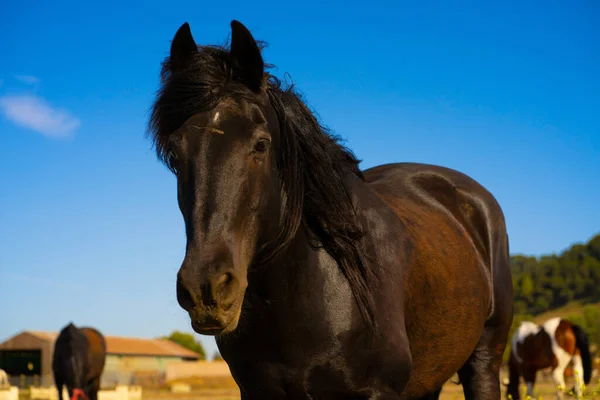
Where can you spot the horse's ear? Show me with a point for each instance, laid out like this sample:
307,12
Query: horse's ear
245,55
183,47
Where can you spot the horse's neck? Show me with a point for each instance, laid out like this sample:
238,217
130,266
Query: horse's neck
303,275
300,279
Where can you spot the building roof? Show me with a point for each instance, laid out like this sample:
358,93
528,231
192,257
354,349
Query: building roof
132,346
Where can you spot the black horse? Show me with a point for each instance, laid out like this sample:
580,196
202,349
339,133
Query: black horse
318,279
78,361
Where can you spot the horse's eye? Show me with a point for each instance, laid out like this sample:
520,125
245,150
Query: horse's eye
172,161
261,146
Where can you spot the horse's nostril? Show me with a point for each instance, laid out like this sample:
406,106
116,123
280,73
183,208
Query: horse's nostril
184,297
224,279
225,290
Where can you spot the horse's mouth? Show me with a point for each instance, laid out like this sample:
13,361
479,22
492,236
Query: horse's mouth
202,329
215,325
207,330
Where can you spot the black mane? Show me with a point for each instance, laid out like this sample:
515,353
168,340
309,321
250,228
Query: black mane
312,163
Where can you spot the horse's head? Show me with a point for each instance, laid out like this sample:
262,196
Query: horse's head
253,164
215,128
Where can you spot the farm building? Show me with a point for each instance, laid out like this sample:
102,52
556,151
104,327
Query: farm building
27,358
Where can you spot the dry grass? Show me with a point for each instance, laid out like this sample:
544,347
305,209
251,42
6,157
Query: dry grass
205,394
221,389
202,388
207,382
543,389
572,308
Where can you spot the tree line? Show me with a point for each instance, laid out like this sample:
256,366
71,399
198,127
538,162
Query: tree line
552,281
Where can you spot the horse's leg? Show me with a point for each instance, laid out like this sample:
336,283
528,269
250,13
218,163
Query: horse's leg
59,386
578,374
480,375
432,396
89,389
96,389
514,376
529,377
558,376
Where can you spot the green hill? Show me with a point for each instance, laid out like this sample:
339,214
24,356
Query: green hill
573,310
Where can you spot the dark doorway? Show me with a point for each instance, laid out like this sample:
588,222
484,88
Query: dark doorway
21,362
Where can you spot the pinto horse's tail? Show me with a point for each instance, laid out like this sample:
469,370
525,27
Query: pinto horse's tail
583,344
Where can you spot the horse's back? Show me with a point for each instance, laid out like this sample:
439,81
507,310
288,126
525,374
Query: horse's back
458,266
70,341
429,197
439,201
97,350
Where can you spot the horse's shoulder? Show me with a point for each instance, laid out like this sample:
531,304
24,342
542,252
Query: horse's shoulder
552,325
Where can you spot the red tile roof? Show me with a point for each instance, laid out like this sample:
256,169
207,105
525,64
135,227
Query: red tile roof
134,346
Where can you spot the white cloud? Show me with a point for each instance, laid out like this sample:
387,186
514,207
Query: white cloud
30,80
35,113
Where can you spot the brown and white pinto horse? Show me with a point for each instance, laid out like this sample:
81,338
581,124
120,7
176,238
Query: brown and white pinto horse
552,345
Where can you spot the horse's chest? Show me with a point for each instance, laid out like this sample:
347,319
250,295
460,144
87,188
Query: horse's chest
299,338
299,363
316,377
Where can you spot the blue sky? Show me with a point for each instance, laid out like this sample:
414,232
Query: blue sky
90,230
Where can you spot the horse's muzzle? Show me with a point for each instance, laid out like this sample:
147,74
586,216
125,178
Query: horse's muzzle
214,322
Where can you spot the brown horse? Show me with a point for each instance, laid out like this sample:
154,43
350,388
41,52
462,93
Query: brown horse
78,362
552,345
318,279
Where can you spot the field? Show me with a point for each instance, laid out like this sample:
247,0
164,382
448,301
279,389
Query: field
208,394
450,392
225,389
544,389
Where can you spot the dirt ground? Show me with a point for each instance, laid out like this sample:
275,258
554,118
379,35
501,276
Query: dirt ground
543,389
